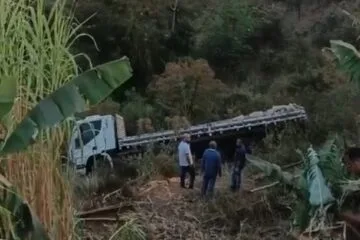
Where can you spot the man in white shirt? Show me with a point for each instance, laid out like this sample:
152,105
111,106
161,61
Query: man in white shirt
186,162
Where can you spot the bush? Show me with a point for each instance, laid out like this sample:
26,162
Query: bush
155,164
136,107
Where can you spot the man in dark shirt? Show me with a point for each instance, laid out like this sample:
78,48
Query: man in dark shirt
239,163
211,168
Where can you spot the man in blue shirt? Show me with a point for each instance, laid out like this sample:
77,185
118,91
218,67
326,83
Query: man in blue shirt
211,168
239,163
185,161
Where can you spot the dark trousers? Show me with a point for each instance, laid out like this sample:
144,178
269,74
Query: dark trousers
183,171
208,185
236,179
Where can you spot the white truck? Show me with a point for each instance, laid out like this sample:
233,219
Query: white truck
98,136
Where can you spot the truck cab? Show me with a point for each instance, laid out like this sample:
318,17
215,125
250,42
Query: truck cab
91,137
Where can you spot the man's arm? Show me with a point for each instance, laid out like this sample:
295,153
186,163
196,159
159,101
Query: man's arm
188,155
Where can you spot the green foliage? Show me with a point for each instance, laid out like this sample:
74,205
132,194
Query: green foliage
141,29
319,192
348,58
188,88
272,170
225,31
330,156
157,161
23,223
319,183
93,85
136,107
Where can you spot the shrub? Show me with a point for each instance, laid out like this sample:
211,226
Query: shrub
135,108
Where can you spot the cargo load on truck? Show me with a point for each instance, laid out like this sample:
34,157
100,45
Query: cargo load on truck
105,135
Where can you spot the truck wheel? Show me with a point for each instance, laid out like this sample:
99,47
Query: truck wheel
101,164
89,166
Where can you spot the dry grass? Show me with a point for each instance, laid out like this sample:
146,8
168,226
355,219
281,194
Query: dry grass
39,59
37,176
163,210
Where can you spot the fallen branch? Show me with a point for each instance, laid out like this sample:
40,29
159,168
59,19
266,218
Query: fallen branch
264,187
214,219
268,186
290,165
102,210
119,190
331,228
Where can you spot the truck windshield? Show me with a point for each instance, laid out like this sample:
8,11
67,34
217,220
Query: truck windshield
88,131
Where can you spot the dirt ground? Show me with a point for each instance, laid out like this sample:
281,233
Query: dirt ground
166,211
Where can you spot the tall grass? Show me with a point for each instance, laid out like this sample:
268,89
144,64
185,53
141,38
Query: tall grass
35,52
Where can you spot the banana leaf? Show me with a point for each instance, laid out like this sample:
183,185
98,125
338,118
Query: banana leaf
271,170
24,224
331,164
93,85
348,58
319,192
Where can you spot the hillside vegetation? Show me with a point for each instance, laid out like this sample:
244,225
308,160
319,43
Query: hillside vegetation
254,53
192,62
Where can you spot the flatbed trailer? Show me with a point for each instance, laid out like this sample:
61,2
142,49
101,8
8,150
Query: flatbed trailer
106,135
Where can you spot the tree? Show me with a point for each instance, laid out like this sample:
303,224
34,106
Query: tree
188,88
140,29
224,32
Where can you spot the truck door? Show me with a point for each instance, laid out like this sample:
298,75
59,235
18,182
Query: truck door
92,136
91,141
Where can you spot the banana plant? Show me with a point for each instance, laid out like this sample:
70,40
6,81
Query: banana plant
348,59
92,87
311,185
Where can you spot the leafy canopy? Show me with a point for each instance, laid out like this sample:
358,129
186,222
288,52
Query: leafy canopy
187,87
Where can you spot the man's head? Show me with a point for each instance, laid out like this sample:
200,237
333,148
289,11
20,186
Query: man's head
186,137
213,145
239,142
353,160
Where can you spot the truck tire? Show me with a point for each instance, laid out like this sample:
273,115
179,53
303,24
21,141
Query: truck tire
101,163
89,166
